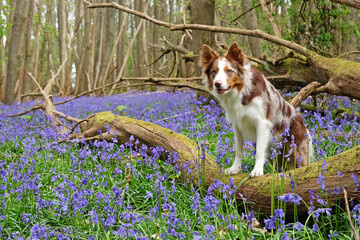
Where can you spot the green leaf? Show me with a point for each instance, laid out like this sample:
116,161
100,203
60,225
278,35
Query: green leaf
120,108
26,117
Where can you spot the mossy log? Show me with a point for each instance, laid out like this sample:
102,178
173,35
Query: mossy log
257,190
337,76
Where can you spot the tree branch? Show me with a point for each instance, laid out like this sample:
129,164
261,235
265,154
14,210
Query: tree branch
176,27
304,92
351,3
250,9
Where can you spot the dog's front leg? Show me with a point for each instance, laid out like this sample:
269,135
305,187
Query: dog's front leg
239,145
262,139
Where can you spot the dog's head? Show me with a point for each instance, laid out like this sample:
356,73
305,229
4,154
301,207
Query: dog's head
222,74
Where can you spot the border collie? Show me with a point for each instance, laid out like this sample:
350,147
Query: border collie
255,109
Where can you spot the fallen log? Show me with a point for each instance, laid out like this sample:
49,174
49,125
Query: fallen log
203,167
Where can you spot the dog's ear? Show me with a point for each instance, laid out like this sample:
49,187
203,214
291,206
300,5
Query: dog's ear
207,55
235,54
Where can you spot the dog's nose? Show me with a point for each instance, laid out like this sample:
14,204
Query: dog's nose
217,84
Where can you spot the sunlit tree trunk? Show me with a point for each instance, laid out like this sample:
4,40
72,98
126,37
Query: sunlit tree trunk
24,79
156,39
36,52
15,43
250,22
170,36
202,12
121,48
64,85
109,41
83,73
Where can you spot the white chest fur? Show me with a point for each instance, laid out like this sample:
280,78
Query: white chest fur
244,118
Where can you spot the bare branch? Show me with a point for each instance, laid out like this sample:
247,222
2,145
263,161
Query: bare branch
176,27
131,11
69,118
351,3
304,92
271,19
250,9
355,232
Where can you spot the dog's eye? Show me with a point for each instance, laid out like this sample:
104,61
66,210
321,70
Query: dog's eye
229,71
213,72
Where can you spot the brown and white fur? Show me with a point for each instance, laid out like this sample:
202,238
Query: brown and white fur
253,106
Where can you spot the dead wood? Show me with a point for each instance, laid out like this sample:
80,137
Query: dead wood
202,166
351,3
304,92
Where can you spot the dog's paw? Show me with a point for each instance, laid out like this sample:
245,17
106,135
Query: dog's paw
256,172
232,170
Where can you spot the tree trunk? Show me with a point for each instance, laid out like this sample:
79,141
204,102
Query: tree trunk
64,85
256,190
202,12
27,64
350,42
109,43
15,44
122,43
156,41
83,72
36,52
250,22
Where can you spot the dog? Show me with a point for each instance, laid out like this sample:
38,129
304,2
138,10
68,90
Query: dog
255,109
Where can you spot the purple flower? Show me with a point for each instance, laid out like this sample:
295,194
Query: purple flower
290,197
209,228
110,220
212,204
356,212
276,220
84,181
333,234
37,232
355,180
315,228
279,213
249,218
195,200
149,194
285,236
298,226
321,181
270,223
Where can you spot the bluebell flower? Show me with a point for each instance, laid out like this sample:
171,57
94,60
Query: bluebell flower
285,236
212,204
315,228
209,231
290,197
149,194
333,234
321,181
355,180
195,199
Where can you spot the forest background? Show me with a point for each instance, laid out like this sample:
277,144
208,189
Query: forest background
92,47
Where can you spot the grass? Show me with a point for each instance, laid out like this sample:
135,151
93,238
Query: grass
101,190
